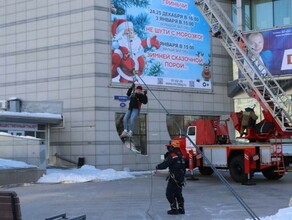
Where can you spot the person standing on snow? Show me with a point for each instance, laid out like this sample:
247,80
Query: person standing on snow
175,161
136,100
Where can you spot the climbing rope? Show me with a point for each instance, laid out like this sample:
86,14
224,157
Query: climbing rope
133,91
218,174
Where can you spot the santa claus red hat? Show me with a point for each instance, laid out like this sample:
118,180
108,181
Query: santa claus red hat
120,25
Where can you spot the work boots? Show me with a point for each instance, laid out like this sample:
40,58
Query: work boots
173,210
181,208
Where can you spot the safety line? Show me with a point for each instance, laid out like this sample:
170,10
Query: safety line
151,188
167,112
220,176
225,182
133,91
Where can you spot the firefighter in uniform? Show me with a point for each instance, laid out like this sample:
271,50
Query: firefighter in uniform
175,161
248,119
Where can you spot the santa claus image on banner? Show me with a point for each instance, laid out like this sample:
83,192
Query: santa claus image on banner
128,51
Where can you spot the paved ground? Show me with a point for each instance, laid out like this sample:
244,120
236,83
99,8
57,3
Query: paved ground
143,198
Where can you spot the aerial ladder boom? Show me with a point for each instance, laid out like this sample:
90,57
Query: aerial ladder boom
257,82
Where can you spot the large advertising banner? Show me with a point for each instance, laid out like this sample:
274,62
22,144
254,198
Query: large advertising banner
274,48
165,42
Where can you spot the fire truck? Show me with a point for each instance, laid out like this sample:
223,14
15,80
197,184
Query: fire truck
263,149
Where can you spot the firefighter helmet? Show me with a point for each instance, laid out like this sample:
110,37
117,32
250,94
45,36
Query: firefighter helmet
252,106
175,143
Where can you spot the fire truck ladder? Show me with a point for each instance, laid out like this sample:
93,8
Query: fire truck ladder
258,82
278,158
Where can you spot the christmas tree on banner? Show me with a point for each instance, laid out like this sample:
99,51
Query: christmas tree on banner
119,6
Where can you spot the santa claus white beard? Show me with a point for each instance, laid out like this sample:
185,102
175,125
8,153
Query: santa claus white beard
133,44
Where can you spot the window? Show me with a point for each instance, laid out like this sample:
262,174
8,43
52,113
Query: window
17,133
192,131
140,134
246,15
247,18
41,127
255,13
282,12
176,122
234,12
41,135
260,9
29,133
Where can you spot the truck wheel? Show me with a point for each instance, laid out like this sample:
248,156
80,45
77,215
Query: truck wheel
236,169
270,173
206,171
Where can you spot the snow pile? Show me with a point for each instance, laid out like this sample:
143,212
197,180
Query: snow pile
8,164
282,214
18,136
32,115
85,174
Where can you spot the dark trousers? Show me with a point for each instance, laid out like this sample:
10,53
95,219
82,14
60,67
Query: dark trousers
174,193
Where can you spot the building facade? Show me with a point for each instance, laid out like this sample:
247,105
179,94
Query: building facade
251,17
59,51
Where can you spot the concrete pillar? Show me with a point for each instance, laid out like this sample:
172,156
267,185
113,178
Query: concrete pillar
240,24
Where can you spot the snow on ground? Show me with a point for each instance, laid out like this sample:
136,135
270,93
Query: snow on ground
282,214
18,136
85,174
8,164
90,173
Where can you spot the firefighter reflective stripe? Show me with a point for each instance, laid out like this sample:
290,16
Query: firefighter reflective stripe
191,165
246,157
247,163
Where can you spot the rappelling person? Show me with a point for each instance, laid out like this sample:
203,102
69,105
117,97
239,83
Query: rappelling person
248,119
137,98
175,161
